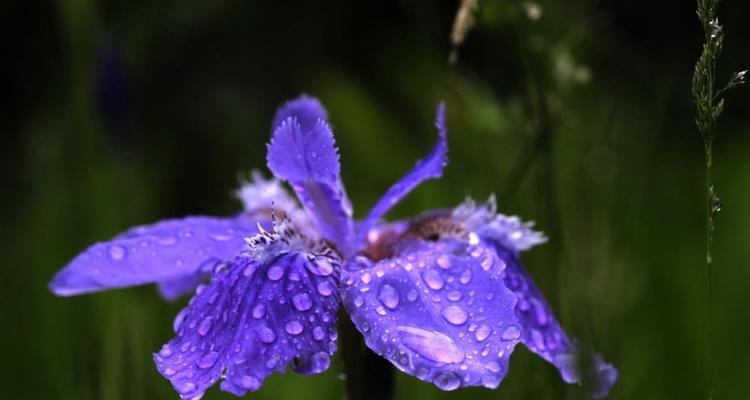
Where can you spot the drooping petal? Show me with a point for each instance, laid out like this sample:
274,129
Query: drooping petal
172,251
309,161
510,231
543,334
308,110
260,313
429,167
439,311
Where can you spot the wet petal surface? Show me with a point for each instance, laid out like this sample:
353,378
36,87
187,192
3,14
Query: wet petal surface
439,311
253,319
175,252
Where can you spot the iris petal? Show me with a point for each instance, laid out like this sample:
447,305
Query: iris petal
172,251
439,311
429,167
305,155
254,318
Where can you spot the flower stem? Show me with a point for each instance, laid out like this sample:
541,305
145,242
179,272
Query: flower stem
367,375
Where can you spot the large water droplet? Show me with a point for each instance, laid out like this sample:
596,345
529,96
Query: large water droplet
512,332
325,288
166,351
433,279
302,301
275,273
319,362
388,295
205,326
117,253
482,333
444,262
185,387
454,296
266,335
249,382
208,360
455,315
493,366
319,333
259,311
446,380
465,277
431,345
293,327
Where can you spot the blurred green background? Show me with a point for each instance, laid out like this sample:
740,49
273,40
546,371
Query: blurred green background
577,115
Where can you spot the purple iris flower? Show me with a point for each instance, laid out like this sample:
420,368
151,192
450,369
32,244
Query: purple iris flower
443,296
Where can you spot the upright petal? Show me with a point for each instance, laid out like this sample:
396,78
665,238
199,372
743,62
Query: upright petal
171,251
439,311
309,161
260,312
308,110
430,167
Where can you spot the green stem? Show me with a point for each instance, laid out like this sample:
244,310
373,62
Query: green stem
710,199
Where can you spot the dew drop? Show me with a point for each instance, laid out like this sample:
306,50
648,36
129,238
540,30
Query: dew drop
380,310
465,277
366,278
454,296
359,301
266,335
318,333
249,382
324,288
205,326
433,279
221,237
293,327
455,315
275,273
431,345
444,262
259,311
493,366
388,295
319,362
208,360
446,380
482,333
117,252
412,295
186,387
302,301
166,351
249,270
512,332
487,262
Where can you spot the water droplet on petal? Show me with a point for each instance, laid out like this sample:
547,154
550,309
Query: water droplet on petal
493,366
293,327
319,362
259,311
302,301
454,296
482,333
266,335
186,387
249,382
208,360
465,277
433,279
166,351
444,262
412,295
431,345
455,315
446,380
249,270
366,278
324,288
388,295
205,326
359,301
512,332
117,252
275,273
318,333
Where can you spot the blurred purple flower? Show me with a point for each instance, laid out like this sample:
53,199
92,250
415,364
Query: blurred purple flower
442,296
